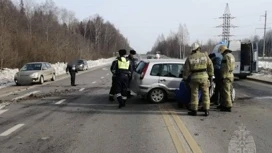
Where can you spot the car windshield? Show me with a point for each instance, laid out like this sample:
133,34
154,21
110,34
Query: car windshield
32,67
80,61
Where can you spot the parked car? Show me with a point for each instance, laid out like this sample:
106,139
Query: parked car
82,65
36,72
157,79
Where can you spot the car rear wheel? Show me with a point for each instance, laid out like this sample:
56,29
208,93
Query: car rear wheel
17,83
157,95
41,80
53,77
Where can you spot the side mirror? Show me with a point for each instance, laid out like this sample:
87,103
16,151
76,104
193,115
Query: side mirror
44,68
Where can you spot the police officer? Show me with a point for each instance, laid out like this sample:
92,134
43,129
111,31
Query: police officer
71,68
227,68
123,72
200,69
113,79
216,60
131,58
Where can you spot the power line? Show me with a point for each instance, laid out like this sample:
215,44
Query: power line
226,24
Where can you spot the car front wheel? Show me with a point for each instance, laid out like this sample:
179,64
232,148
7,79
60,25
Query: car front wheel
157,95
41,80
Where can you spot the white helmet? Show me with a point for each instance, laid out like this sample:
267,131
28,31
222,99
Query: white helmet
157,56
195,46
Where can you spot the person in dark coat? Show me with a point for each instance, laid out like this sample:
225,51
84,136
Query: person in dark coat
216,60
113,80
131,58
122,70
72,69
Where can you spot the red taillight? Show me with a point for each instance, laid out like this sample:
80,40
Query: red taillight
144,71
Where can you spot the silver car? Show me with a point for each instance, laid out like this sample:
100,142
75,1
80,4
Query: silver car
36,72
157,79
82,65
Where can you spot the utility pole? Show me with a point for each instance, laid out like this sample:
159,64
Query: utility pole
265,16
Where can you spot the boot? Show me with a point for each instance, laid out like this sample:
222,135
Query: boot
111,98
192,113
207,113
124,103
225,109
219,107
120,105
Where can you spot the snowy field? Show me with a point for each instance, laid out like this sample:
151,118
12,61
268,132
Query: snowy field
7,75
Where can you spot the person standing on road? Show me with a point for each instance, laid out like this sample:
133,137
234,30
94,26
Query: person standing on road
131,58
113,79
200,69
216,60
227,77
123,73
71,68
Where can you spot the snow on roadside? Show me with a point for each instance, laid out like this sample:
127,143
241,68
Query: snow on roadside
265,64
7,75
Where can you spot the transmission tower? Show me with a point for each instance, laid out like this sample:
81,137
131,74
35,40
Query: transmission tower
226,24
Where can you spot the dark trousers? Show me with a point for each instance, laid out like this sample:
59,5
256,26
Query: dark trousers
113,84
73,77
218,86
121,88
128,89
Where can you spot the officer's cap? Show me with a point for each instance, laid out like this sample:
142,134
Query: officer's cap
122,52
212,55
133,52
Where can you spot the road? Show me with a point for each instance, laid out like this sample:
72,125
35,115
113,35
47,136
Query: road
59,118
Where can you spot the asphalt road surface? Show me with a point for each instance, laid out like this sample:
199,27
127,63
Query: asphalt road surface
59,118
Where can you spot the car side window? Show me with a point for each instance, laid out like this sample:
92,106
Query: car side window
155,70
175,70
164,70
140,67
172,70
48,65
44,67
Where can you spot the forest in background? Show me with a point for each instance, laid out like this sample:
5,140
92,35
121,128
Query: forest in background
44,32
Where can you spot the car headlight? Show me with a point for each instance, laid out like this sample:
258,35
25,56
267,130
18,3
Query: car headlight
34,75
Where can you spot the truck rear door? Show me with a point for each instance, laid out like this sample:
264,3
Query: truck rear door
254,64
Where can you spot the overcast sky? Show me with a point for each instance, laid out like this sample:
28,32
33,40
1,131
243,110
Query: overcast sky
141,21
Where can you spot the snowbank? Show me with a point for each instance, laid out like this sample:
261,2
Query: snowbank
7,75
265,64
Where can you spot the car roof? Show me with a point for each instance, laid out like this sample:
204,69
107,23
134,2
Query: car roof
36,62
155,61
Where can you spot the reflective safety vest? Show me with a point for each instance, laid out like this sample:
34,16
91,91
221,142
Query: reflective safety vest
123,64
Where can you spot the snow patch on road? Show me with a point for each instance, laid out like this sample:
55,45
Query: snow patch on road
7,75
